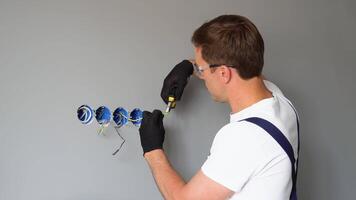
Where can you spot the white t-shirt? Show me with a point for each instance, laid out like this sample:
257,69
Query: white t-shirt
246,159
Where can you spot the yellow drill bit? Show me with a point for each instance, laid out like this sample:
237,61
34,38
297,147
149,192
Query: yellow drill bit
171,104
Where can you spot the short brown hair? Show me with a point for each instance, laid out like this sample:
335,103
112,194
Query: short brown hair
231,40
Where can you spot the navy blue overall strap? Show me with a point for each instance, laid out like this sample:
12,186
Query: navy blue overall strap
283,142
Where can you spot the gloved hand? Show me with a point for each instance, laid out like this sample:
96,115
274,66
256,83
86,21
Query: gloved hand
152,131
176,80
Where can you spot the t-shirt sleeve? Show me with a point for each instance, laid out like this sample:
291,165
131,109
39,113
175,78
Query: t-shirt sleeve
233,156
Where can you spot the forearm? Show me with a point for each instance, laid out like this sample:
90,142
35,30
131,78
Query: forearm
167,179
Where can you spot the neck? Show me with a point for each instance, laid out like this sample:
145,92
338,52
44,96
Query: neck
246,93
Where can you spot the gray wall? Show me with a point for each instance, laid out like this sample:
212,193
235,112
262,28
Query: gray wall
57,55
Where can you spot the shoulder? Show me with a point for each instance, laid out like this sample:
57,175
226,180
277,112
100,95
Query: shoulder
237,136
240,130
240,151
244,138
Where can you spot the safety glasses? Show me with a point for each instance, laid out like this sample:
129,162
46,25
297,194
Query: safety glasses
198,70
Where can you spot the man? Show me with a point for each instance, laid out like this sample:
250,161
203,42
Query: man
248,159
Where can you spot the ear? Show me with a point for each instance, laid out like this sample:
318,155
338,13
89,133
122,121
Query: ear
224,73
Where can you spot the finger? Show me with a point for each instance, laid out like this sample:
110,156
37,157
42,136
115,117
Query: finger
179,90
146,116
164,93
161,120
156,116
173,90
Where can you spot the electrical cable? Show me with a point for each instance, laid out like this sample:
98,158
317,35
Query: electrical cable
123,141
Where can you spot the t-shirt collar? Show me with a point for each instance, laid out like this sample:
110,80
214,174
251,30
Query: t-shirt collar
249,111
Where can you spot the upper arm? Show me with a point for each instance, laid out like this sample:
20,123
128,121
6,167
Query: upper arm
202,187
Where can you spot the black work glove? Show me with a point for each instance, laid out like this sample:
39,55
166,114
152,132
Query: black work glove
176,80
152,131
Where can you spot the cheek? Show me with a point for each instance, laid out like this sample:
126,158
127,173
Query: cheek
211,88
